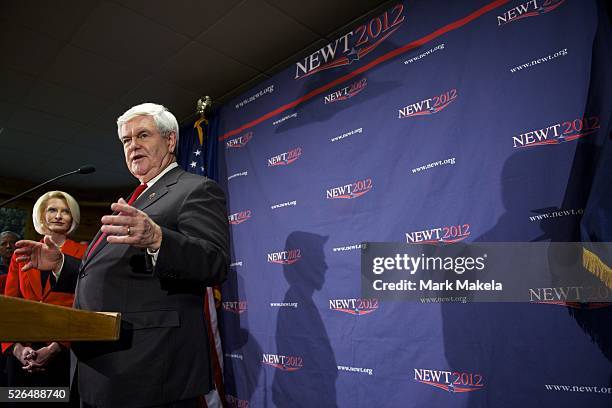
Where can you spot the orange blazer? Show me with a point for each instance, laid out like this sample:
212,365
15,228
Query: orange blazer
27,285
2,283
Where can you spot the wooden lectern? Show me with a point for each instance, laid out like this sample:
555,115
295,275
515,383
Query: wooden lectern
29,321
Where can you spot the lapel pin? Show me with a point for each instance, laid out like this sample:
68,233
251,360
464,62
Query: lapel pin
151,196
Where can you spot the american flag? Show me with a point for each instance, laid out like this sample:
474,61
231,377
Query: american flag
192,152
196,155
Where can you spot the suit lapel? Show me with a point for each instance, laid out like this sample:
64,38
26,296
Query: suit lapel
159,189
147,198
33,278
47,287
151,195
89,256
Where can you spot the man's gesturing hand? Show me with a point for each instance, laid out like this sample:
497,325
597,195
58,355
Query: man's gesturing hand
131,226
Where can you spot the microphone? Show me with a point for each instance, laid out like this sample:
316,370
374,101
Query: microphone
86,169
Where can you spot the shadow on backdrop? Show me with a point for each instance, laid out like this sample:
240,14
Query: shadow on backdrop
499,340
300,331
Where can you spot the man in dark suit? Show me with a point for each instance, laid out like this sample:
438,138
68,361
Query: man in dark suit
151,261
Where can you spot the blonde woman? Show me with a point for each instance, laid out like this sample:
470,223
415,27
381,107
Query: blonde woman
55,214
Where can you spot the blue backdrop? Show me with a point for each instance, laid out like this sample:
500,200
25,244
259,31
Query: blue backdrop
436,121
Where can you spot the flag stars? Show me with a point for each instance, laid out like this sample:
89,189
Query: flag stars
197,152
193,164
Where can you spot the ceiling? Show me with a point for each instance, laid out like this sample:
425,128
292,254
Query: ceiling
69,68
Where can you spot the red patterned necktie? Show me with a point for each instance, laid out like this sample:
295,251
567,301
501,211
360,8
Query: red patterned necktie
133,198
137,193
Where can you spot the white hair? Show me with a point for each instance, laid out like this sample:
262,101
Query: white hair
38,212
164,120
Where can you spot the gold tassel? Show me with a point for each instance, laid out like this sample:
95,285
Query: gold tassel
198,127
597,267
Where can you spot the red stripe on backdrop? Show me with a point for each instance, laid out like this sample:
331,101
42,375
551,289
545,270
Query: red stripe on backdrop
391,54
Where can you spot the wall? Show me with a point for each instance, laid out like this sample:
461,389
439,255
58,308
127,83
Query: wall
436,120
